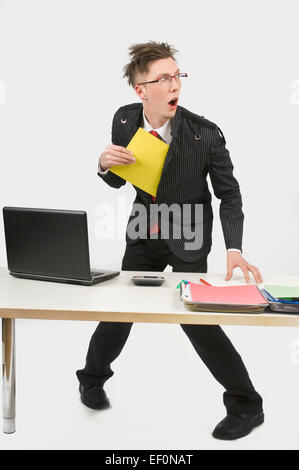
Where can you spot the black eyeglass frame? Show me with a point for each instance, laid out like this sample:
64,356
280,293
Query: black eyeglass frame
179,75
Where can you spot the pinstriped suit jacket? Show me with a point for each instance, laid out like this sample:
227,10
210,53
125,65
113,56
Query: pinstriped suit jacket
197,149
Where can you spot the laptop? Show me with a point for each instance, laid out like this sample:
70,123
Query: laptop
50,245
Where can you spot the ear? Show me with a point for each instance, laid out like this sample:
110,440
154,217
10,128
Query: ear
140,91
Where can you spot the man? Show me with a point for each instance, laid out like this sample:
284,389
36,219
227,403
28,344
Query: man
197,148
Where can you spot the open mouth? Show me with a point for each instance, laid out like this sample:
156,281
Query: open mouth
173,103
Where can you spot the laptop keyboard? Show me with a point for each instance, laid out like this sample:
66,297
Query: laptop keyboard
96,273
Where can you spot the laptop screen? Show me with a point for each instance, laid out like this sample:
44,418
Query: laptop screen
47,242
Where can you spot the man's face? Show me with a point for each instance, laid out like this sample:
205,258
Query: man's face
160,94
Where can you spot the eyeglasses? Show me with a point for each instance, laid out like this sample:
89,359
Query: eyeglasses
166,79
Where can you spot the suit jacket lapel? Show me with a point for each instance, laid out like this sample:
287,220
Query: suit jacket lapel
175,122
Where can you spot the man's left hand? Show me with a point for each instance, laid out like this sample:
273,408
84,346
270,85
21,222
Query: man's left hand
236,260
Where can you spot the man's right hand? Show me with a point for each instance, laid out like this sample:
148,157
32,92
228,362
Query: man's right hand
114,155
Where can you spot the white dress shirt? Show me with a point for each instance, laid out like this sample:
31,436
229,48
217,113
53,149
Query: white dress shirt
165,133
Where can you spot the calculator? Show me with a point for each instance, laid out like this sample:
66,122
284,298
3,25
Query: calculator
148,280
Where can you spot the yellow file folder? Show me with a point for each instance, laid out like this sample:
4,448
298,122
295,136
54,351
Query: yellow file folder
150,153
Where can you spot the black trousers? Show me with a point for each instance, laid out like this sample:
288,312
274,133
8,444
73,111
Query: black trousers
209,341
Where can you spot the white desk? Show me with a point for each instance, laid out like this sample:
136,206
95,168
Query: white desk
116,300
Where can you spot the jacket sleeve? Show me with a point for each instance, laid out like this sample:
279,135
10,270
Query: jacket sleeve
110,178
227,189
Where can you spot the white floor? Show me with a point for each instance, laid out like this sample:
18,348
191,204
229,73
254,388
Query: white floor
162,395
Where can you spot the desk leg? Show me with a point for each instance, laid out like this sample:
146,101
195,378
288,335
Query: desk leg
8,375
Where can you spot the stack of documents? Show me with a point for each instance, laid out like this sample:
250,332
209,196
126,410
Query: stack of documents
230,299
284,299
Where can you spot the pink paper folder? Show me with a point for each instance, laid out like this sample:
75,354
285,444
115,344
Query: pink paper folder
240,295
231,299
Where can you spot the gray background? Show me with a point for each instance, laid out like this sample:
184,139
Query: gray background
60,84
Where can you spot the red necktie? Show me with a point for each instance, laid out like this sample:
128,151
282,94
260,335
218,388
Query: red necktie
154,227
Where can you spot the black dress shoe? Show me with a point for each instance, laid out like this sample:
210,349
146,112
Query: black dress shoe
94,396
234,426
